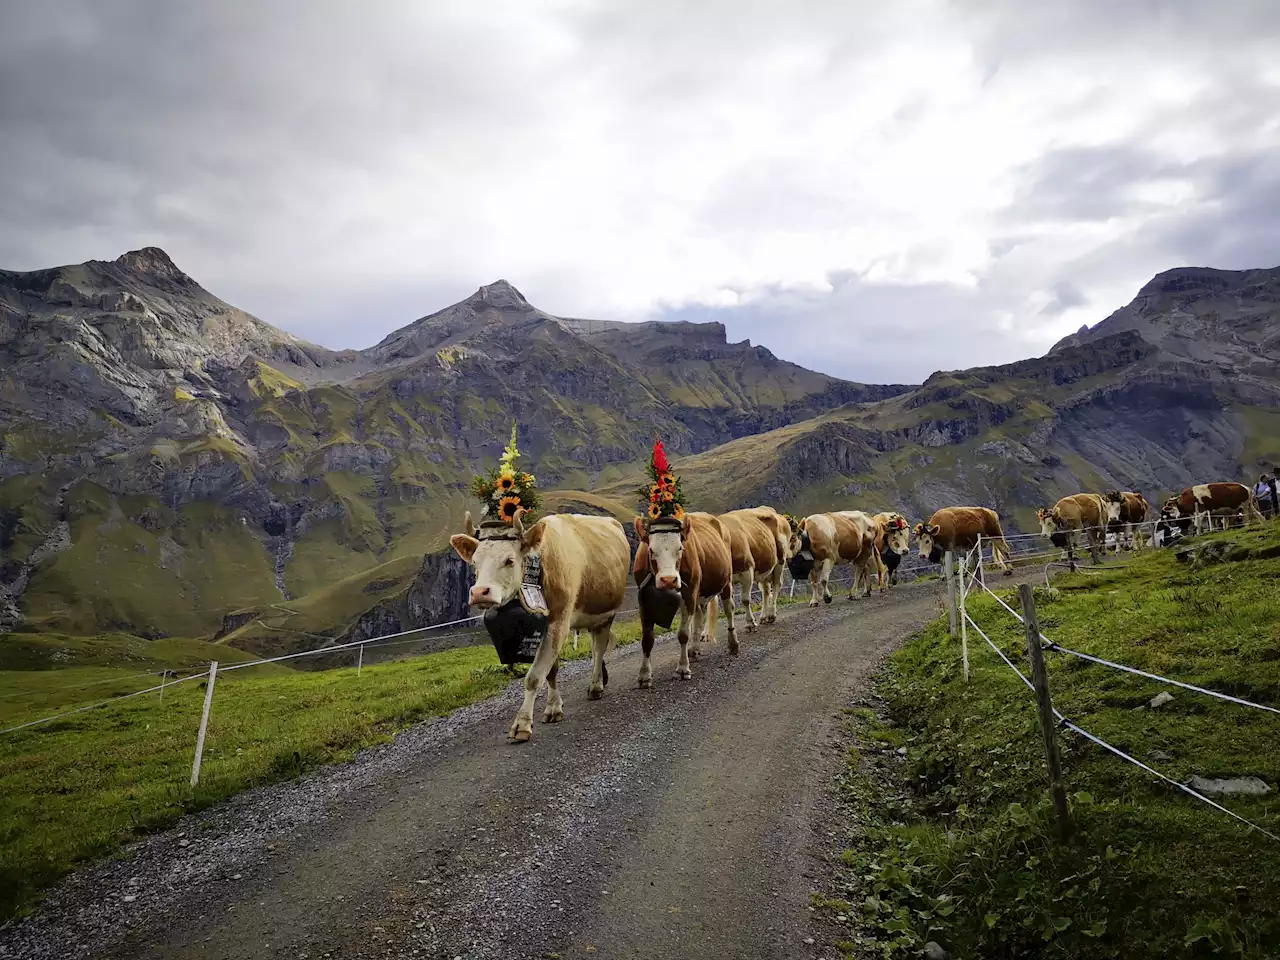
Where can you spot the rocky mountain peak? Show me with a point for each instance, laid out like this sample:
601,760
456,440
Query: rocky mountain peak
502,295
154,264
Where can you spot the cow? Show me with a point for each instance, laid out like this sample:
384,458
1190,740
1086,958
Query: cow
958,529
758,537
1086,512
696,559
1126,512
1207,499
893,541
584,564
847,536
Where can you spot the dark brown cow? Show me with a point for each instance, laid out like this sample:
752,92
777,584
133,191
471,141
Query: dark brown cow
696,560
1126,512
1204,500
957,529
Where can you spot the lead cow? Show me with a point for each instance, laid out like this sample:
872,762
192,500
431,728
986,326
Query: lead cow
584,579
1204,500
758,539
695,559
893,541
957,529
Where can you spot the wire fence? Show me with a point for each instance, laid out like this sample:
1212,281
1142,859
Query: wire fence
969,581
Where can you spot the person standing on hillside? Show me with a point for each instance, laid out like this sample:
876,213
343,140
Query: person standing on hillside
1265,493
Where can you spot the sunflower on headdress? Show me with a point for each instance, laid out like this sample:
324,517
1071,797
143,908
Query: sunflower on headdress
662,494
506,490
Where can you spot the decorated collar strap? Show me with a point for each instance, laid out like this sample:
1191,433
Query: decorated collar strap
496,530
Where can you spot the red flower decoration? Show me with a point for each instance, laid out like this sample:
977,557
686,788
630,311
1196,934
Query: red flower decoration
660,458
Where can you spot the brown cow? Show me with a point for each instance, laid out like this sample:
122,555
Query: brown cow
584,581
1206,499
893,541
1126,512
1086,512
843,537
697,561
758,537
957,529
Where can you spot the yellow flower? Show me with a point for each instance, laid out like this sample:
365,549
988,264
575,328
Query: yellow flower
508,507
506,482
667,496
679,514
655,511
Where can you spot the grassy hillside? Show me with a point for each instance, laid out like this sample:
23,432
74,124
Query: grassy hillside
961,849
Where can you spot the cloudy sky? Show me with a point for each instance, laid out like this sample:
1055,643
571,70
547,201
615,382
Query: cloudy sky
875,190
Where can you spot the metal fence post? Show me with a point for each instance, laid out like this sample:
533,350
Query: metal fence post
964,626
1048,728
360,660
164,679
948,571
204,722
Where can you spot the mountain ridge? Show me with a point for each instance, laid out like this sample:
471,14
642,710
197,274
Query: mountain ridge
168,459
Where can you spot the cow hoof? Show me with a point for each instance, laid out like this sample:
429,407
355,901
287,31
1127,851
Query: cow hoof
694,653
595,693
1008,573
751,628
826,599
555,716
684,673
770,619
646,683
518,735
734,646
813,603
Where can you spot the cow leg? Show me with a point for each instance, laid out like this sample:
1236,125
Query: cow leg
815,578
825,580
771,587
646,651
732,639
554,711
601,639
686,621
700,616
544,662
746,580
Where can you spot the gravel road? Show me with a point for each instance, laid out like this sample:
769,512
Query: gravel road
685,820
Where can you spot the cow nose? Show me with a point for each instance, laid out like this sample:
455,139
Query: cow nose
668,583
481,595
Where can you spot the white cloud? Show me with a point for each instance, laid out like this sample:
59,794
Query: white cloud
339,172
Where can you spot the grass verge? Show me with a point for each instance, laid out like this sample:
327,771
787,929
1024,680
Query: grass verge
959,845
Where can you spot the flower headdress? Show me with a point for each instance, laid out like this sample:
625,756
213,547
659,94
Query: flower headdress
663,496
506,490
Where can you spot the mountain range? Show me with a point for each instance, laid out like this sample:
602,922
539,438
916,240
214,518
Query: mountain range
172,466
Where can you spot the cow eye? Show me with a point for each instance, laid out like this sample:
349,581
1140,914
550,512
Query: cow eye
509,562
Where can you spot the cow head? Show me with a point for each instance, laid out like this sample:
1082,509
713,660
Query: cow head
1114,502
1051,527
927,537
666,546
897,536
498,562
1171,509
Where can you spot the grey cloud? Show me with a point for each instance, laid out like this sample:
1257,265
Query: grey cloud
1063,297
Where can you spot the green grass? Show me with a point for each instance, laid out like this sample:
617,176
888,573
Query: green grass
971,859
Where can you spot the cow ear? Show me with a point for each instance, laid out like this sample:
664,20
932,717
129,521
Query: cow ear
642,532
530,537
465,545
685,526
934,529
468,525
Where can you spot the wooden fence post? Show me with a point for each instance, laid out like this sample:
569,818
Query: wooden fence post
360,660
1048,726
204,722
164,680
949,572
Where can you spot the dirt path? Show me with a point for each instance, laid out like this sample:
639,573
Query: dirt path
674,822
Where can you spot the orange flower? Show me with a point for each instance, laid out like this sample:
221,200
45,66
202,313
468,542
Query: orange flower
507,508
667,496
667,480
679,514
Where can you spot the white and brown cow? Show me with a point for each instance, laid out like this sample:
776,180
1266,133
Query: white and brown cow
584,580
696,560
1126,512
957,529
758,537
1204,501
893,541
1079,513
847,536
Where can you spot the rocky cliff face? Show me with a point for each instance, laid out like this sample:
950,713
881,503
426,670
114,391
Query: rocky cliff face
210,461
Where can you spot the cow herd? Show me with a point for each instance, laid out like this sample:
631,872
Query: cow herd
690,564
